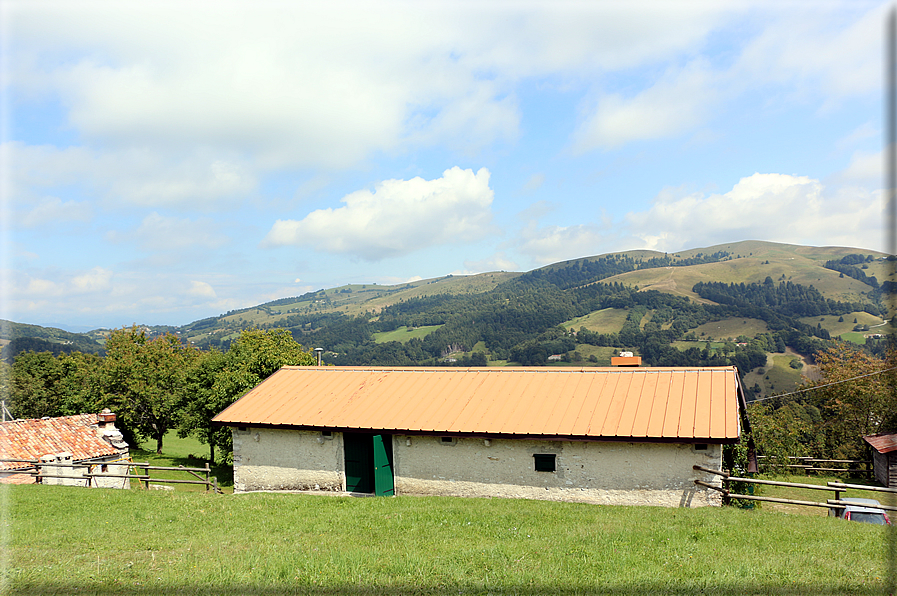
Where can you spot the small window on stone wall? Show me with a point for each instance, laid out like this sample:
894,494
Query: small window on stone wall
447,440
700,446
545,462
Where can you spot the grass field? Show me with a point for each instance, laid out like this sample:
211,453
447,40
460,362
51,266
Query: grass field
62,540
186,452
845,328
608,320
403,334
777,376
731,328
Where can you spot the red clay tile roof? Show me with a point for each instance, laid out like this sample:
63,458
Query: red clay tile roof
30,439
883,443
653,404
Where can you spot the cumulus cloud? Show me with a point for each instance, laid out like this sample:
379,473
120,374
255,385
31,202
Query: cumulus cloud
776,207
397,218
310,87
201,289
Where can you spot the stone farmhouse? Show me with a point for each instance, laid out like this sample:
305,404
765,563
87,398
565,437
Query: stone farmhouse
627,435
63,449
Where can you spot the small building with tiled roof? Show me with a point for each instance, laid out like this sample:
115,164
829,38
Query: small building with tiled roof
63,449
884,458
626,435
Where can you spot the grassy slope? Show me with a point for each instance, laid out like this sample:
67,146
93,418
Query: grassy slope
403,334
123,542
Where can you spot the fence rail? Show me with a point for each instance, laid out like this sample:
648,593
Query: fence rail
807,464
88,476
835,487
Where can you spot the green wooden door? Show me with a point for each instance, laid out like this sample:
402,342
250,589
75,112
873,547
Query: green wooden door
359,462
384,486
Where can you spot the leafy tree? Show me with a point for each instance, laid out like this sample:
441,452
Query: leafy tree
42,384
146,381
217,379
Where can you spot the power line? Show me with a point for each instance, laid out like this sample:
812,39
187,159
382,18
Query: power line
826,385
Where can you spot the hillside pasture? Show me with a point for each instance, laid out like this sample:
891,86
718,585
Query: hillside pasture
403,334
778,375
607,320
845,328
779,262
148,542
731,328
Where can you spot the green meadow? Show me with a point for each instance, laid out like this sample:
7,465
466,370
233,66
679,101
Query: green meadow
403,334
62,540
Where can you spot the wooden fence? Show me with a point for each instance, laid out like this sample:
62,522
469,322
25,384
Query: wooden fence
809,464
139,471
835,487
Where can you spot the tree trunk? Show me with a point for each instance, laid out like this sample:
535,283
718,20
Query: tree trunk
212,452
159,444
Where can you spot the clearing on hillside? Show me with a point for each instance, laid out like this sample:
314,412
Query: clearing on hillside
731,328
607,320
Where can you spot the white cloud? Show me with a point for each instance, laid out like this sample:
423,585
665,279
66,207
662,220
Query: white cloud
551,244
497,262
397,218
864,167
775,207
676,103
131,176
316,85
201,289
53,210
95,280
172,234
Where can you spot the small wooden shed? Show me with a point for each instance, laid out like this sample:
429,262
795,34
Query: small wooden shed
884,458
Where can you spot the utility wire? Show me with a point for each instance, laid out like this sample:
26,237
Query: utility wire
826,385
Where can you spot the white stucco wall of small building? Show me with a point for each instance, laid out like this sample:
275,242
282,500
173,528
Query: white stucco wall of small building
607,472
271,459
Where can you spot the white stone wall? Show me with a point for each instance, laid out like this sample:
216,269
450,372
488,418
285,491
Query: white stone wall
594,472
102,481
266,459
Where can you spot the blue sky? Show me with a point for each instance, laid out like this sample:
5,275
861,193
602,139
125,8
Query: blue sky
165,162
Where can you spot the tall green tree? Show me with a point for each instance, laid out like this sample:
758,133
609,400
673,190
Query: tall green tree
146,381
41,384
218,379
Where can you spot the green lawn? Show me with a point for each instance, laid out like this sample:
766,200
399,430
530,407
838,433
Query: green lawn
63,540
187,452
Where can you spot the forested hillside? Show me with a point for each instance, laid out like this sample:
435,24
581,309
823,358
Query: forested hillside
736,304
769,310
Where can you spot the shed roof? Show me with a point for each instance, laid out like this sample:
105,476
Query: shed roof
33,438
884,443
646,404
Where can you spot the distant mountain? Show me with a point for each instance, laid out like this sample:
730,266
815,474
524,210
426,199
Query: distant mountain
762,306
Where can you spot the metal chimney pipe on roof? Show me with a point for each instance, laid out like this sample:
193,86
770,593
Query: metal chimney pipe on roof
319,352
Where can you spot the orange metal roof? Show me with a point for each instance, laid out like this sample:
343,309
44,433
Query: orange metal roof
660,404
